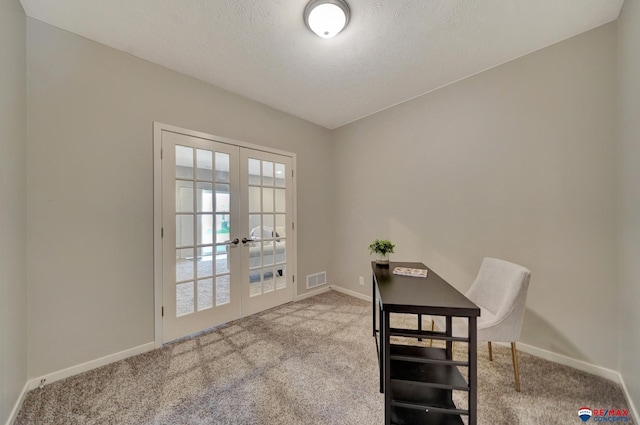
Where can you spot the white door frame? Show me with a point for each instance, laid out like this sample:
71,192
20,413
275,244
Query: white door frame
158,128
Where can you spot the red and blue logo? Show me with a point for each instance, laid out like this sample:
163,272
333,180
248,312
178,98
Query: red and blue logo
585,413
603,415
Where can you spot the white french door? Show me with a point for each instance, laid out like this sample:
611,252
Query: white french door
227,251
265,215
200,211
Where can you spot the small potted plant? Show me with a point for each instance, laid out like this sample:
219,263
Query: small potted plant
382,248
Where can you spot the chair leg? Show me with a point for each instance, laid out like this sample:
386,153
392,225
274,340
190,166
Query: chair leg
432,328
516,373
490,352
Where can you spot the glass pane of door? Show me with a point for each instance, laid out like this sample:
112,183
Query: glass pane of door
266,215
268,248
210,211
198,219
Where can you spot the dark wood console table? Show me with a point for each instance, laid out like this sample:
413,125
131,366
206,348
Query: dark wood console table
418,381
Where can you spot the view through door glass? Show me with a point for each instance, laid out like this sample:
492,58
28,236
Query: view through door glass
200,258
267,180
267,227
202,228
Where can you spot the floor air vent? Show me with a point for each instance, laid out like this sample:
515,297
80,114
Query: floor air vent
317,279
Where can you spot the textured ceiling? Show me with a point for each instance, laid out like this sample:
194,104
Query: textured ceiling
392,50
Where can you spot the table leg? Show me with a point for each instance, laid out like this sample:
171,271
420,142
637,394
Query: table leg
381,338
473,371
373,305
387,370
449,332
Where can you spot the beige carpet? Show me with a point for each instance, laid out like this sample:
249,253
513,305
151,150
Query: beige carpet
311,362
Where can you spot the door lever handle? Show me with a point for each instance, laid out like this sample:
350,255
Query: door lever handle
245,240
236,241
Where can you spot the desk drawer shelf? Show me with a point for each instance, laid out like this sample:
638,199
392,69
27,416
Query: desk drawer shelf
420,369
403,416
413,333
436,356
421,393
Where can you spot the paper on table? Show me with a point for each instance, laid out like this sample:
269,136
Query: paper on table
406,271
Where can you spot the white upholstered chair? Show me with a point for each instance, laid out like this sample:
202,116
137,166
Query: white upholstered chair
500,290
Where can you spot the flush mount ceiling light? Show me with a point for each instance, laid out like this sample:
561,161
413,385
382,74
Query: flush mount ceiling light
326,18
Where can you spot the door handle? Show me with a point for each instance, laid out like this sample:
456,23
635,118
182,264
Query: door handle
236,241
245,240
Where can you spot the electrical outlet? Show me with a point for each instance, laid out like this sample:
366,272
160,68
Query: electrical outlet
361,281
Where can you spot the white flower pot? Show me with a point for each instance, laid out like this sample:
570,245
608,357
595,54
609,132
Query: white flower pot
382,258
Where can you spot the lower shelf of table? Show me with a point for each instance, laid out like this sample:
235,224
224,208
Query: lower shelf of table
426,386
402,416
445,375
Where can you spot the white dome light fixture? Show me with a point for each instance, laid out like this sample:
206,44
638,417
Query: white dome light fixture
326,18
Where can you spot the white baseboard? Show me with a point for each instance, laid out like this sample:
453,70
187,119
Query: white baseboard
16,408
312,293
352,293
102,361
632,407
329,288
603,372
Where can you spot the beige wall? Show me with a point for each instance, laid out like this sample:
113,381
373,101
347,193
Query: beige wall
629,195
90,185
13,273
518,163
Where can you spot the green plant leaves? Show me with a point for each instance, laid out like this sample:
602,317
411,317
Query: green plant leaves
381,246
